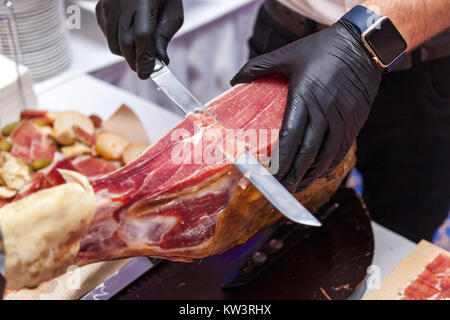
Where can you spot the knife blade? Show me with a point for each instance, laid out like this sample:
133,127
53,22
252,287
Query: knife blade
121,279
259,176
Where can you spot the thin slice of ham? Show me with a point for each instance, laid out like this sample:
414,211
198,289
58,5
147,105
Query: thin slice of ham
30,114
49,177
433,283
46,178
30,144
93,167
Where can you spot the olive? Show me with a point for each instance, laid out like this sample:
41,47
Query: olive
41,163
9,128
5,145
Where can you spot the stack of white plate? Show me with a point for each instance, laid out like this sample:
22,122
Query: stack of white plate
16,93
42,36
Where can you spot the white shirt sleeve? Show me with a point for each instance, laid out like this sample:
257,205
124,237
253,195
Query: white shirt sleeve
323,11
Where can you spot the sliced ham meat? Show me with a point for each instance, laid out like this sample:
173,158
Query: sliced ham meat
93,167
46,178
49,177
84,136
177,203
433,283
31,114
440,266
30,143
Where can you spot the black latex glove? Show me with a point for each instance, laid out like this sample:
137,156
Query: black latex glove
140,30
333,83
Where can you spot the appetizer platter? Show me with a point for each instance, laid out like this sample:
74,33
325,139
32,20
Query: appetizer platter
41,142
93,164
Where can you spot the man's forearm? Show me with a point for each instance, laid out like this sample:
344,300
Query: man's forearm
417,20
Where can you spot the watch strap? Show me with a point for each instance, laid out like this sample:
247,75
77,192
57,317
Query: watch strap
396,63
363,18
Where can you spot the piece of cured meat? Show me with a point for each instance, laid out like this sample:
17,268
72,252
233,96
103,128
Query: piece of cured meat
30,114
30,144
87,165
179,200
93,167
46,178
433,283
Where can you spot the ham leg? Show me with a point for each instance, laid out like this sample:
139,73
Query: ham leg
177,203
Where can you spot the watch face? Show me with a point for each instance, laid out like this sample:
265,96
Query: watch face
386,41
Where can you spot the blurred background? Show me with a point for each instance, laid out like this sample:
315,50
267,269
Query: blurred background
60,40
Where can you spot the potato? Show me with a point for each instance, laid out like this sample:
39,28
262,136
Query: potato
65,126
7,193
132,152
110,145
47,130
13,171
76,149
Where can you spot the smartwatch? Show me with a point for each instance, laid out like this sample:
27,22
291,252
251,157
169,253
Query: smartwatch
379,35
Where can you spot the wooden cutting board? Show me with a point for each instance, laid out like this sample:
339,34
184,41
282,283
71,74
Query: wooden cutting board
406,271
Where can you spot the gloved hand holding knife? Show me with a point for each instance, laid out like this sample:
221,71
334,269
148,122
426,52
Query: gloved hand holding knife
333,81
140,30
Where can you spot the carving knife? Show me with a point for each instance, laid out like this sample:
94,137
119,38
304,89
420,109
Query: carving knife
259,176
121,279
